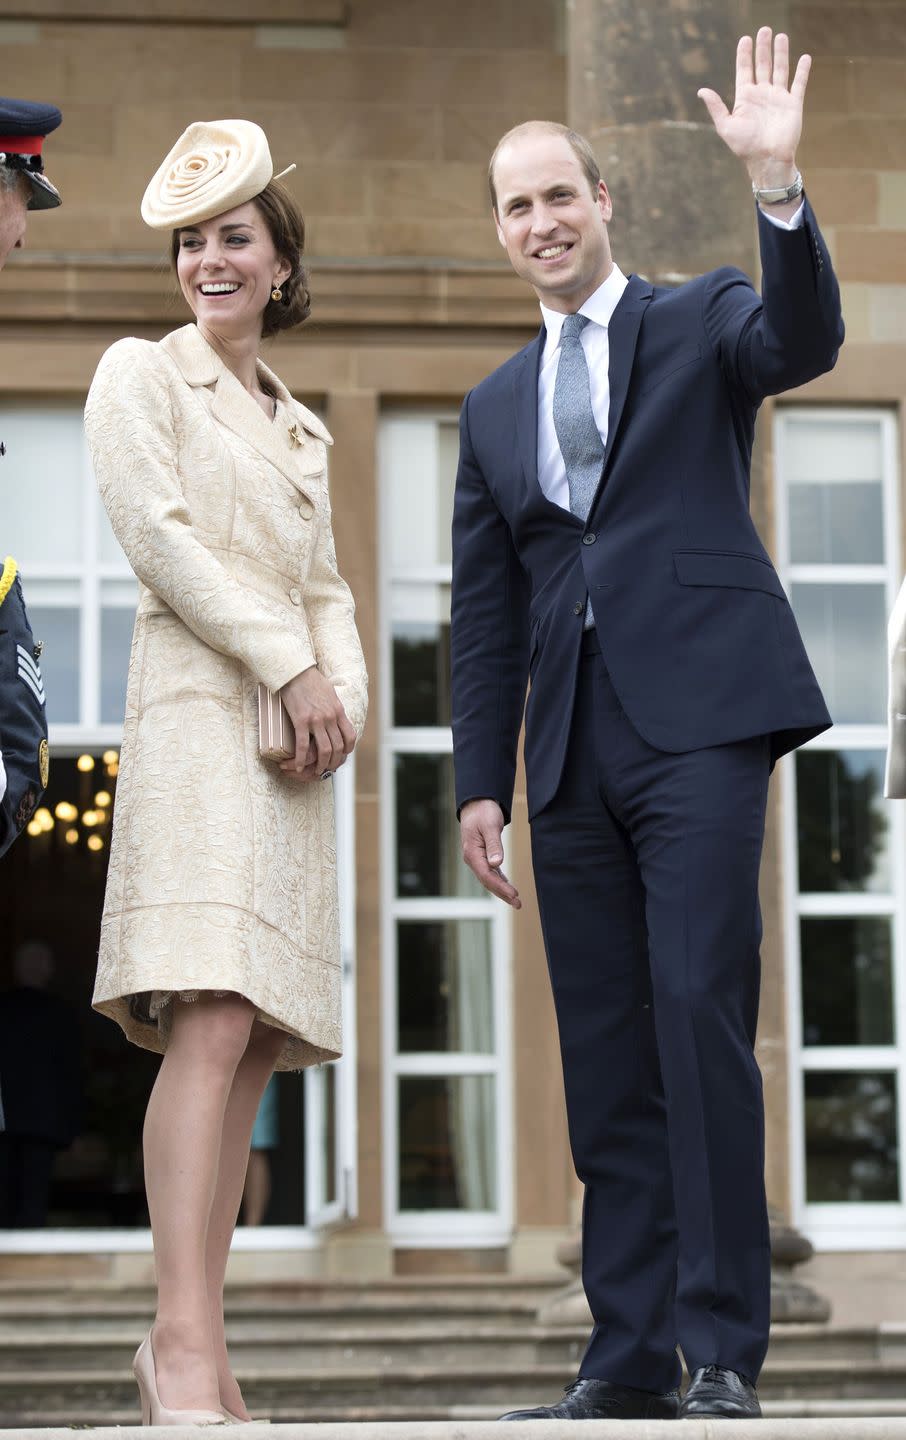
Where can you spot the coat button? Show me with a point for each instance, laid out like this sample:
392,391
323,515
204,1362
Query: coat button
296,596
578,608
305,509
590,538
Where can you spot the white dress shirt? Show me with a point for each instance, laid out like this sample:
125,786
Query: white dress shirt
598,307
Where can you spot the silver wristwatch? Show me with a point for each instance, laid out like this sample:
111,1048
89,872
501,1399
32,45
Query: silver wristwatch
783,196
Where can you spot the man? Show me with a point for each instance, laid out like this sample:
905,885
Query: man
23,184
603,546
23,722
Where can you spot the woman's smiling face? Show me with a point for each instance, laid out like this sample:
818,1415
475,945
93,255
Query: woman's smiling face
227,267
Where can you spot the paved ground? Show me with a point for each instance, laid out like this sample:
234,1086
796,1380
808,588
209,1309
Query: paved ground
849,1429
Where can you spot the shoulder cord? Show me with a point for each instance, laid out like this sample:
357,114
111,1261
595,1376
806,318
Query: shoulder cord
10,571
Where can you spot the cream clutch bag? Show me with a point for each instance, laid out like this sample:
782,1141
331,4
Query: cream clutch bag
276,736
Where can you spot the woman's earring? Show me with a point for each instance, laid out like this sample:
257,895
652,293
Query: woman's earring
276,293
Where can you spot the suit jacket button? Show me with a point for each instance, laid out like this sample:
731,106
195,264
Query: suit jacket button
295,596
590,538
578,608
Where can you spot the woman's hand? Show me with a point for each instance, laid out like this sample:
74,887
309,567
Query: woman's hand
324,735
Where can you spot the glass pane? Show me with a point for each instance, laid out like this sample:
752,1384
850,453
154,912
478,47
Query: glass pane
420,455
421,654
273,1192
819,448
447,465
117,620
843,821
43,473
845,632
329,1134
58,627
851,1148
428,858
446,998
448,1142
847,980
836,524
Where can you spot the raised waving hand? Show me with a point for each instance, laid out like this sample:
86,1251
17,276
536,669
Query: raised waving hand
765,124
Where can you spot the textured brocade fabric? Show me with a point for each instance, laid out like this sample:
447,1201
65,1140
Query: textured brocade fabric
222,872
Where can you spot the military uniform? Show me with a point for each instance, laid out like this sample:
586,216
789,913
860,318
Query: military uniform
23,126
23,710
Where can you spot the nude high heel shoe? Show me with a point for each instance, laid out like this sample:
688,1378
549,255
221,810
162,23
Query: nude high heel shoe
153,1412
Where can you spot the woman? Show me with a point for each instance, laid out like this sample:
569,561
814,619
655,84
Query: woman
222,885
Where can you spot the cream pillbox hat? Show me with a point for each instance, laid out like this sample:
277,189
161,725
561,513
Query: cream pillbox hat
214,166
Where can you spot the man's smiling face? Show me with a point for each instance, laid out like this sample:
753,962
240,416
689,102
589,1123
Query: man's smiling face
551,224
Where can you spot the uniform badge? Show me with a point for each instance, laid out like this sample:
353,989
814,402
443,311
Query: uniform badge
26,809
44,763
30,675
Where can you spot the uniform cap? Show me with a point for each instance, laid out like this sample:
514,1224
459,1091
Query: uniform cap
23,126
214,166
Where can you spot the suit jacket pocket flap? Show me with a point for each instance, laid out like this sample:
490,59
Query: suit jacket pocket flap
726,568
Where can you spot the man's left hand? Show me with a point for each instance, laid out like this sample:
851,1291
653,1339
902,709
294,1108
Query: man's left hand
765,124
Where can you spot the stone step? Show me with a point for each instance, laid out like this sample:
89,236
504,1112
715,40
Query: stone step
393,1290
382,1302
309,1344
92,1341
378,1390
299,1345
769,1428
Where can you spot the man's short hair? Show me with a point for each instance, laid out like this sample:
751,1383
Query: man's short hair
578,144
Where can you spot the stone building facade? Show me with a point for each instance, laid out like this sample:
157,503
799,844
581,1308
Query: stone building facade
390,109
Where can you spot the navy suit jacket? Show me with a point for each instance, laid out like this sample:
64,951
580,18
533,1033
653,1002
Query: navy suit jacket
694,626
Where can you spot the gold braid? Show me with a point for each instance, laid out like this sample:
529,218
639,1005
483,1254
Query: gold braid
10,571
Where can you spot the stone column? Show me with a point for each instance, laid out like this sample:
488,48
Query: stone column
682,205
362,1249
681,200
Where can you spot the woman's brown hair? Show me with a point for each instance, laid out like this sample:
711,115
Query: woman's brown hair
286,226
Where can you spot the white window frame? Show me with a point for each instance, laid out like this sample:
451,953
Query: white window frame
430,1229
89,574
843,1226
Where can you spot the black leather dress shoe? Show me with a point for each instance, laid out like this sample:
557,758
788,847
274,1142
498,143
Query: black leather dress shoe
719,1392
601,1400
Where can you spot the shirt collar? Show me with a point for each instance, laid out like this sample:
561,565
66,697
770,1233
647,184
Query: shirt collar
599,307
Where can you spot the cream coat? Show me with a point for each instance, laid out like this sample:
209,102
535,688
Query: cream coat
895,779
222,872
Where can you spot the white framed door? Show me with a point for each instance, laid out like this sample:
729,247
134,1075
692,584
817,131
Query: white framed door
331,1118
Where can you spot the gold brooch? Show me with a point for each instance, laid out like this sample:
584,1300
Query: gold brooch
295,435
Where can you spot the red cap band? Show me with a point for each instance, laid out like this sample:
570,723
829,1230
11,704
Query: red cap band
21,144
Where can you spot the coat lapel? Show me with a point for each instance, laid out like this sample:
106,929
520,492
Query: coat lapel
234,408
623,334
525,401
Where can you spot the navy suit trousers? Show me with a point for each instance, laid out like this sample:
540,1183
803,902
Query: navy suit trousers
646,867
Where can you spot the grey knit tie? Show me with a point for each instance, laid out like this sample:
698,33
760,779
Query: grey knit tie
574,422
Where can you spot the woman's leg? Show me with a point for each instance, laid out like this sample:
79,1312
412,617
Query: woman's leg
249,1084
183,1142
